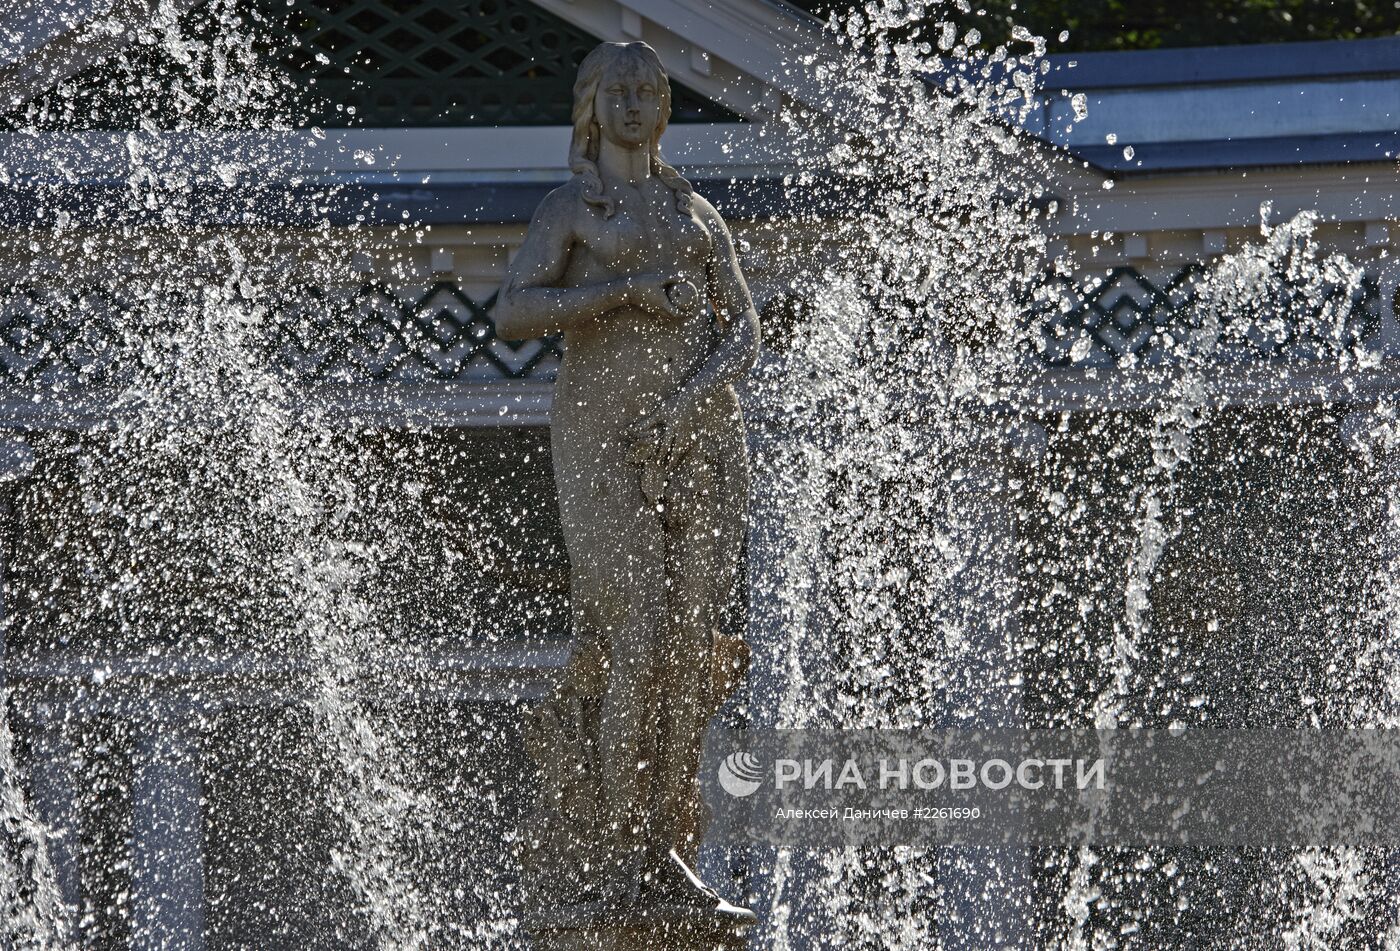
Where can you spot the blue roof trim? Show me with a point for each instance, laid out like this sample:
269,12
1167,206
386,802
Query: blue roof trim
1243,153
37,205
1224,64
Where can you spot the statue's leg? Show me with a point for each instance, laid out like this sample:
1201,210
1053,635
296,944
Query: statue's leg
618,553
706,542
685,662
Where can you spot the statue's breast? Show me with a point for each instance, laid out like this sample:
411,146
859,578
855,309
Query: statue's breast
661,238
616,243
690,239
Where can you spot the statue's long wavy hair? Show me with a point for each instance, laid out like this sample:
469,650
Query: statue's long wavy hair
583,149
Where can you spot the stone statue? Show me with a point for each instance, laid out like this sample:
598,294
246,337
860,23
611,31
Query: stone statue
640,275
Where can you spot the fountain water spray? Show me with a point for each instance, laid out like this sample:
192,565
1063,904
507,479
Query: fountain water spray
220,508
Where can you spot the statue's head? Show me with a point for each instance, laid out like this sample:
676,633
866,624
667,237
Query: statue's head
622,96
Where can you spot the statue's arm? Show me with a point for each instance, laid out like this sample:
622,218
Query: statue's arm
737,347
529,303
663,433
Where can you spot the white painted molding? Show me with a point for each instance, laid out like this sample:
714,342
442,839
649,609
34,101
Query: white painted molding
1215,201
16,458
492,403
1252,384
508,403
524,669
404,156
700,61
514,403
758,43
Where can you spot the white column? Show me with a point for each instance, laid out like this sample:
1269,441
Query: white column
783,550
55,796
1375,436
987,889
167,840
16,462
775,560
783,555
987,892
43,921
1386,272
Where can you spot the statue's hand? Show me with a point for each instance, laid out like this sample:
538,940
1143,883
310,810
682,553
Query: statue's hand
664,436
644,441
660,296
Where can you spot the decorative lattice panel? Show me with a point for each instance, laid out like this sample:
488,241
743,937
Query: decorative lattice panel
1126,317
372,63
376,332
367,333
442,62
59,333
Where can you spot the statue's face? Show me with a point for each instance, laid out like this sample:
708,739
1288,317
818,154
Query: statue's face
628,103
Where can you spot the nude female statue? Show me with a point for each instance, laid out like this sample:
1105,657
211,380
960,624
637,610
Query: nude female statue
648,449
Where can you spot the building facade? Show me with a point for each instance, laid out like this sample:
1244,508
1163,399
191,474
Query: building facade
454,117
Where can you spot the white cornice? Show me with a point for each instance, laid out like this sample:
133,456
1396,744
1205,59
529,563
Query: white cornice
39,51
1211,200
1252,384
751,49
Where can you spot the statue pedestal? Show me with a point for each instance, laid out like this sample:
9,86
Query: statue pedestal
659,928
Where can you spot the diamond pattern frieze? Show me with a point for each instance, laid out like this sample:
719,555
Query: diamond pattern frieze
1127,319
376,332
